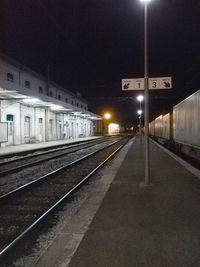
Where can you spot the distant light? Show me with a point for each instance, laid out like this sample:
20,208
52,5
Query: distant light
140,98
113,128
56,107
107,116
139,112
145,1
30,100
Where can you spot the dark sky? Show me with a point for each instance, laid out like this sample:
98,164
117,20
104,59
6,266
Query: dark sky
91,44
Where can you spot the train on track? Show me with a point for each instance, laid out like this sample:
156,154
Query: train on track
180,128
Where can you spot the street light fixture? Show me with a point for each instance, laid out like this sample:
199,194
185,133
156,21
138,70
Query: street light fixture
146,91
139,112
107,116
140,98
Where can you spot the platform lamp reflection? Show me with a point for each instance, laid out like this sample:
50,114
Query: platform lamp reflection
140,98
106,118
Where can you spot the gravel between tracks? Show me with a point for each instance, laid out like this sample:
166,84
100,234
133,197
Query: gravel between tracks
15,180
56,248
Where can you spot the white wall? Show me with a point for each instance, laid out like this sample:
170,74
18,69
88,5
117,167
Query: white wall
45,125
12,108
21,74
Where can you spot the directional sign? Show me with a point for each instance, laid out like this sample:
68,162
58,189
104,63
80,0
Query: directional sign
166,82
156,83
160,83
139,84
128,84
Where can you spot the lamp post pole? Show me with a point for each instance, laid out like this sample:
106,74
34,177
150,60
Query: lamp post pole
146,94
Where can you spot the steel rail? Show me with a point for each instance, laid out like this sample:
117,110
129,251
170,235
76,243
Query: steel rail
47,148
44,215
18,168
54,172
50,150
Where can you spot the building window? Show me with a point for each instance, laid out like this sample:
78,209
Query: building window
27,84
10,77
66,99
40,90
51,94
27,126
59,97
9,117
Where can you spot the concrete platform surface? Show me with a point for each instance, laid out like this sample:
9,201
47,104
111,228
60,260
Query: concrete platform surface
9,150
158,225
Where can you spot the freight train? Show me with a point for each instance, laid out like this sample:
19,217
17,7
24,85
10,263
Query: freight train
180,128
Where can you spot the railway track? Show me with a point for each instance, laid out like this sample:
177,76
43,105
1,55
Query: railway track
25,207
17,164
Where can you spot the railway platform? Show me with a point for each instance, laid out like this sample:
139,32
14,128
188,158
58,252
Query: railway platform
156,225
11,150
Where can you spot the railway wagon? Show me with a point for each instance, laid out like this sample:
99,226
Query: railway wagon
186,118
161,127
181,127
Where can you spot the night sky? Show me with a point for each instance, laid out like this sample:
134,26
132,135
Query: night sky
91,44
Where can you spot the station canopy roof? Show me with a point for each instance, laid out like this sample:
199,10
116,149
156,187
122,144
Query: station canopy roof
55,105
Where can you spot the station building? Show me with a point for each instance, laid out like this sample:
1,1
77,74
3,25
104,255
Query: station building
34,109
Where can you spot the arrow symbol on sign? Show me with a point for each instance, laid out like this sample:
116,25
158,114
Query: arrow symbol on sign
126,86
166,84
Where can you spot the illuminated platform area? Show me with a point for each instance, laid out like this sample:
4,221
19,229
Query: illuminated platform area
121,222
34,109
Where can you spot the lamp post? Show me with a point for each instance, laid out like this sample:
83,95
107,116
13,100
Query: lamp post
139,112
146,96
140,98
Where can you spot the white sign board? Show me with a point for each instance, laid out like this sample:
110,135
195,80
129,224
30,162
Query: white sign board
128,84
3,132
154,83
139,84
160,83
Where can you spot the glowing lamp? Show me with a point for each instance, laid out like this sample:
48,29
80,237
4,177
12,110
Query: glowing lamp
107,116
